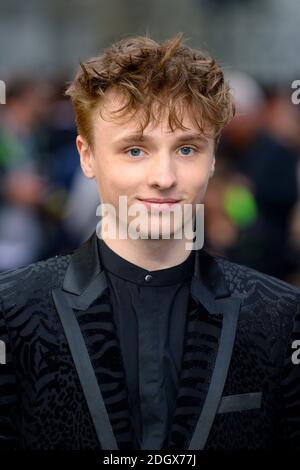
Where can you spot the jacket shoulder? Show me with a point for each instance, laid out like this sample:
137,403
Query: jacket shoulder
244,280
264,298
20,284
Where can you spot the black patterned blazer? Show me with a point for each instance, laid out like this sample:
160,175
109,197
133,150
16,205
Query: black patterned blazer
63,386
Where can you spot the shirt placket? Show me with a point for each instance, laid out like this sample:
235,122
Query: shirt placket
150,373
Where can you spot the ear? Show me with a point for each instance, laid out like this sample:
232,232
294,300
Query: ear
87,160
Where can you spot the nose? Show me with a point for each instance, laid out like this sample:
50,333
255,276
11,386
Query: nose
162,174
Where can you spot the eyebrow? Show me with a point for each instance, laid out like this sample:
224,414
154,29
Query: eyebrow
191,137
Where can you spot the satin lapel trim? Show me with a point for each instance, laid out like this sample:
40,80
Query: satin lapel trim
85,371
230,307
94,290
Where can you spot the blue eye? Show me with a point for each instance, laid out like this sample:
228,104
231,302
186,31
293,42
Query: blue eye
135,152
186,150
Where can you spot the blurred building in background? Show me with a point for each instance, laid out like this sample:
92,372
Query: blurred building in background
252,208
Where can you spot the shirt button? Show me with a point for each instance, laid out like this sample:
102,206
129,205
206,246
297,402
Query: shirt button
148,277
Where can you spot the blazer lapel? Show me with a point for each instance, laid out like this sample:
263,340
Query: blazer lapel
85,311
208,343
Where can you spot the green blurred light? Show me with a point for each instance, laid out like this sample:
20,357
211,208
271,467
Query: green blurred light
240,205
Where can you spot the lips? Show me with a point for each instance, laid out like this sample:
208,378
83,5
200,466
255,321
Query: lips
160,201
163,205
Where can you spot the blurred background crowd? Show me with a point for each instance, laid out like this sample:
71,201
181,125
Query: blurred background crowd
252,205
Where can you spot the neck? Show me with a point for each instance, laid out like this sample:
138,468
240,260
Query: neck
150,254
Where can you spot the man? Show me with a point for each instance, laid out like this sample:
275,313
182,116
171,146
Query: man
144,342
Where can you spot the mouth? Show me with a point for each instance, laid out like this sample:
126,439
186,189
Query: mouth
159,203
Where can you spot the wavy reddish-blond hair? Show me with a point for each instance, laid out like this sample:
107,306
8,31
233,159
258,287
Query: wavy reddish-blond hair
153,78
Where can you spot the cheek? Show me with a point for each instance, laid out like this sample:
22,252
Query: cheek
197,179
196,185
112,181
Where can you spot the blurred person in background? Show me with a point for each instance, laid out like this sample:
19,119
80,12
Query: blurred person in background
261,190
281,119
60,163
23,190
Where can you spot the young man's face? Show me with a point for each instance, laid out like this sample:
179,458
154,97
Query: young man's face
163,164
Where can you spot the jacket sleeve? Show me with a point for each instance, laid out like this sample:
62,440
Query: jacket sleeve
8,394
290,384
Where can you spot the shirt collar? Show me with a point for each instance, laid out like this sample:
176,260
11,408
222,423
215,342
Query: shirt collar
128,271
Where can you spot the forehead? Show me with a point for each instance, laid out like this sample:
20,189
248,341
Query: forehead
109,125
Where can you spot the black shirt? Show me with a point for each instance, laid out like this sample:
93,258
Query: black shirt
149,311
